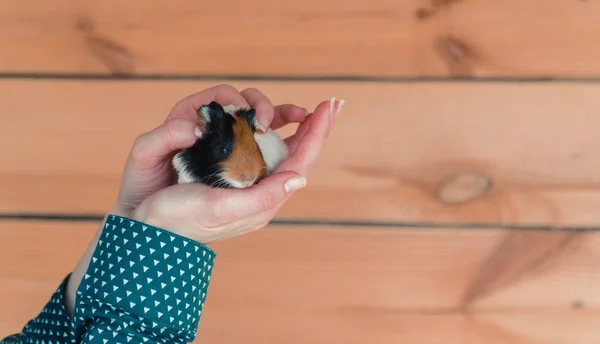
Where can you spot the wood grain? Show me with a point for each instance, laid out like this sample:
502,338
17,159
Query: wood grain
408,38
392,150
323,285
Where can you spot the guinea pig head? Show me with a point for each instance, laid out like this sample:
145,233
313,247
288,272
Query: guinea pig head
227,155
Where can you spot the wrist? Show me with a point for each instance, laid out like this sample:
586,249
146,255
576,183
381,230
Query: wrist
151,212
144,213
120,210
140,213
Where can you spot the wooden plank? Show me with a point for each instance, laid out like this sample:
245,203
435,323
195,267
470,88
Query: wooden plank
325,284
333,37
392,151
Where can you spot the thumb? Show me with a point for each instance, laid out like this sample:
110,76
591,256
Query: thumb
157,144
264,196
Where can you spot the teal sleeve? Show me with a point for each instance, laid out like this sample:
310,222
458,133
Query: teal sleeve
143,285
51,326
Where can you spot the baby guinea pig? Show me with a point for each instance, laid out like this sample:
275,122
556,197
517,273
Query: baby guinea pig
230,153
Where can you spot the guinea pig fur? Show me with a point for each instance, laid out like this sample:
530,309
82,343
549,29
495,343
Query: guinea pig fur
230,153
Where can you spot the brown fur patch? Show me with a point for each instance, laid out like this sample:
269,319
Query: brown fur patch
246,162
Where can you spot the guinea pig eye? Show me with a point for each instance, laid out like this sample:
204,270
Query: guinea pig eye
226,149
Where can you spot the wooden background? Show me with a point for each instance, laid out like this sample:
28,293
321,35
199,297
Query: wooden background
456,201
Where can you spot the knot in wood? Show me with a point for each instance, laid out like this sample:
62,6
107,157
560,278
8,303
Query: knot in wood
464,187
458,55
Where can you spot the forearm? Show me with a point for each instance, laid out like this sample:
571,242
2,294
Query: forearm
146,275
84,261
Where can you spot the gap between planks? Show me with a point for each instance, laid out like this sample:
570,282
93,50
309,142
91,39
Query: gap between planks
97,218
594,79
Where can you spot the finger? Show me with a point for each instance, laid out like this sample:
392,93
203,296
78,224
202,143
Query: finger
223,94
293,141
287,113
154,146
264,109
269,193
310,145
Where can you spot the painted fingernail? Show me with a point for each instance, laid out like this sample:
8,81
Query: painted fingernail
295,184
198,132
339,108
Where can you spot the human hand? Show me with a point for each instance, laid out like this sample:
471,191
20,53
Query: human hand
205,214
148,168
194,210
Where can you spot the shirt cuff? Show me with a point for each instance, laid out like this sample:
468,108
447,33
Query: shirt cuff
145,278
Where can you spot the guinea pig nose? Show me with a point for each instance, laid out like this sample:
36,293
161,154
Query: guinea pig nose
246,178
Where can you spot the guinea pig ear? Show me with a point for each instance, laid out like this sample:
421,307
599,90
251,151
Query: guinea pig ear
250,117
209,113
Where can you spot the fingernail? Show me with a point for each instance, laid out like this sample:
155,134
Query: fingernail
261,125
331,105
339,108
295,184
198,132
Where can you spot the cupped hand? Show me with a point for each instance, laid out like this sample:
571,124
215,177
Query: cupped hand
208,214
196,211
148,167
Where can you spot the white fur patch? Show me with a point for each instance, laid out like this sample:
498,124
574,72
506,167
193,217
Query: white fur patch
230,109
273,149
183,175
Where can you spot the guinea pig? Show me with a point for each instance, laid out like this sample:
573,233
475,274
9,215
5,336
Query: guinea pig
230,152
